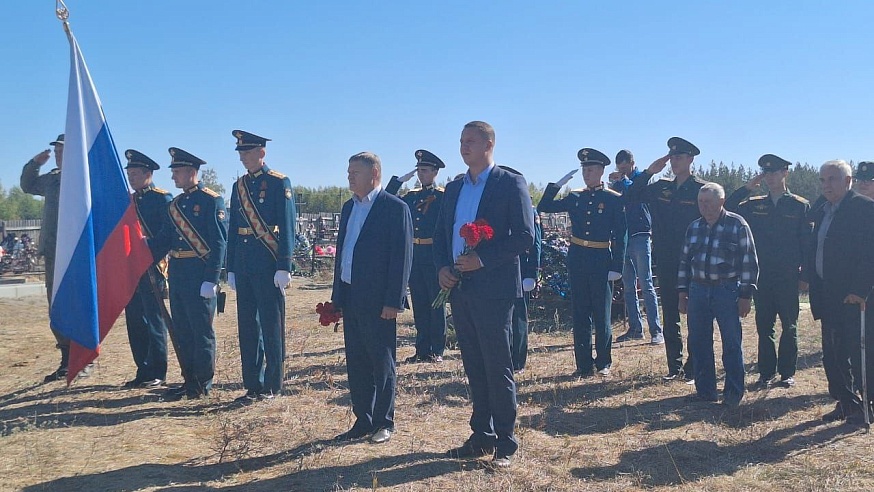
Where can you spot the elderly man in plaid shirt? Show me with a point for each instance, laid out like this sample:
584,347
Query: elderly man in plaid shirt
717,278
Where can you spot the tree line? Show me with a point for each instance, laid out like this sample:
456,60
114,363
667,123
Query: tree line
18,205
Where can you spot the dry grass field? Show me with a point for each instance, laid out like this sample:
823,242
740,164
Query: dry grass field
630,431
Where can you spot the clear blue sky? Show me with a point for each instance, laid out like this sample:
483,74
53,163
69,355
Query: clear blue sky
327,79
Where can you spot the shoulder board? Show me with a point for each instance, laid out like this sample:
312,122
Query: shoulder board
55,171
612,192
415,190
799,198
439,188
757,197
276,174
666,180
698,180
210,192
161,191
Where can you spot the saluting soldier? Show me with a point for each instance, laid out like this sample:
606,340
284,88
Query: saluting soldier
424,204
260,246
673,205
195,235
595,257
781,228
146,315
864,178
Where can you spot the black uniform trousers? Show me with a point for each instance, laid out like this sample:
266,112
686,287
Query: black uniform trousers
192,328
591,295
483,330
424,287
146,327
777,295
371,344
519,332
670,300
261,321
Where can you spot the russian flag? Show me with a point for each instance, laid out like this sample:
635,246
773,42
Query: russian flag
101,252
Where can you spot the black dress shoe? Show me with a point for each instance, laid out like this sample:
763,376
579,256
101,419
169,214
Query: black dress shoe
352,435
469,450
152,383
413,359
249,397
835,415
58,374
133,383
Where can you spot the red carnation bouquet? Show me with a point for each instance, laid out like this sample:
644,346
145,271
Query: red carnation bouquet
473,234
328,314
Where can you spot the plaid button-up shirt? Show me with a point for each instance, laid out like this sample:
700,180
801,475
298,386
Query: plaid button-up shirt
721,252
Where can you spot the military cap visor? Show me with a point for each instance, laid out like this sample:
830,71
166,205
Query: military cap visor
592,157
865,171
58,141
771,162
181,158
425,158
248,141
677,145
138,159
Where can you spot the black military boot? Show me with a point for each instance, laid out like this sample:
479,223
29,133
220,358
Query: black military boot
61,371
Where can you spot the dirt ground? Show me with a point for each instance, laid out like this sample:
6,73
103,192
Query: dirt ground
630,431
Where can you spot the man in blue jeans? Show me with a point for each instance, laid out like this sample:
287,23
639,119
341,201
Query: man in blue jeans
638,256
717,279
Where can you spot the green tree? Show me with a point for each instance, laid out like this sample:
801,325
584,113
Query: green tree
321,199
210,180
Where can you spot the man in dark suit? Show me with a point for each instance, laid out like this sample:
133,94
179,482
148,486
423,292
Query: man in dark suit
841,273
485,283
374,258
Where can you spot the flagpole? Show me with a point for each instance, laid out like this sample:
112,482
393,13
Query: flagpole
63,13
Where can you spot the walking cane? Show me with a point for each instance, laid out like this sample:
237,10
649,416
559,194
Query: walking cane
864,375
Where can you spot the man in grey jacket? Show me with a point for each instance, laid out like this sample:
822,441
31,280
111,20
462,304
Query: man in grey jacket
48,185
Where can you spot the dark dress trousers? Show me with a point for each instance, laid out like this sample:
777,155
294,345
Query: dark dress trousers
144,315
482,304
260,304
847,268
381,264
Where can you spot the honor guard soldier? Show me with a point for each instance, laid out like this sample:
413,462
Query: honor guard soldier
781,228
424,204
195,236
673,205
146,315
864,178
260,246
595,257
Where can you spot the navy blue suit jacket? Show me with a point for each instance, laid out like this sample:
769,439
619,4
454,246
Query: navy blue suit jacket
382,258
506,206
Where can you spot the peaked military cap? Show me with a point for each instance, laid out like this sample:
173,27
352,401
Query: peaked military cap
865,171
591,157
58,141
624,156
138,159
180,158
678,145
770,162
425,158
248,141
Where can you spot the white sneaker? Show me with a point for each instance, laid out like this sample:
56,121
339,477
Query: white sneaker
604,372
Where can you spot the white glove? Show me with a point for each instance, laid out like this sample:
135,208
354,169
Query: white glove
567,177
613,276
407,177
208,290
528,284
232,281
281,279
